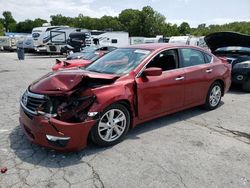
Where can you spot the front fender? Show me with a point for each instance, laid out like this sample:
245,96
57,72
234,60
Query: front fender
108,95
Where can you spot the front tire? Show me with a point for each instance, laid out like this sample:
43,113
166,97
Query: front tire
213,96
112,126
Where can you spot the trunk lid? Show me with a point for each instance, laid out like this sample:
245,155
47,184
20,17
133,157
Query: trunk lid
226,39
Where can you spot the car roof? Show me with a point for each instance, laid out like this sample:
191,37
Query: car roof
158,46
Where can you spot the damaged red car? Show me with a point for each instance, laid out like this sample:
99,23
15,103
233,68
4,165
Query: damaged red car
126,87
88,58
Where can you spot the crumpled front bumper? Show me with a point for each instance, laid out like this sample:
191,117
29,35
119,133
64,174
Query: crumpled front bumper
73,135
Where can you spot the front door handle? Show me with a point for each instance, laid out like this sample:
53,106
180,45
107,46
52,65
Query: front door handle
179,78
209,70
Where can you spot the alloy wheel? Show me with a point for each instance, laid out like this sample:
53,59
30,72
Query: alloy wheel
215,96
112,125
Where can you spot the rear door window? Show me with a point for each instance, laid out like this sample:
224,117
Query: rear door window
191,57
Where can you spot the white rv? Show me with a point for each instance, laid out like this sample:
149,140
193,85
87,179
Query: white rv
180,39
109,38
143,40
6,41
136,40
42,36
58,38
9,43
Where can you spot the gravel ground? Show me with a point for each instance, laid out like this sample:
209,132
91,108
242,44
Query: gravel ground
192,148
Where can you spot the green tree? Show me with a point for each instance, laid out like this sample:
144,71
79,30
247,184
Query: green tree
152,22
109,22
8,21
1,29
146,22
27,25
171,30
38,22
184,28
130,21
61,20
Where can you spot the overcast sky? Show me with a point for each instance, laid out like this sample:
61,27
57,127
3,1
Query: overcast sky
176,11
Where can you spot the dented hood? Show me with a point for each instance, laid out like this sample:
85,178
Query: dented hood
61,82
226,39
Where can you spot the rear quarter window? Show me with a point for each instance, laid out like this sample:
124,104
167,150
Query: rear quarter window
208,58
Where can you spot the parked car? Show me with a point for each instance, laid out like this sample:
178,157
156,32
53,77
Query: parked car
235,47
85,59
124,88
89,49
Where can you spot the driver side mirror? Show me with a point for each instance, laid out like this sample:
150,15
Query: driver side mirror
152,71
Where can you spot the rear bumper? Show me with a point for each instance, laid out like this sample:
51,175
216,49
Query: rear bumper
55,134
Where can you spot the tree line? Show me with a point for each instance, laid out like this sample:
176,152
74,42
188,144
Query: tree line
146,22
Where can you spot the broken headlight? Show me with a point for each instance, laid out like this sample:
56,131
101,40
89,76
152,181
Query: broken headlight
75,109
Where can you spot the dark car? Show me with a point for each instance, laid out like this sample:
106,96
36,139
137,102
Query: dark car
122,89
235,47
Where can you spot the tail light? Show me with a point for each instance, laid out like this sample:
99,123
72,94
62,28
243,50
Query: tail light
224,60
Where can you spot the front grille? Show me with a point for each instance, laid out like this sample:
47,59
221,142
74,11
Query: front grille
31,102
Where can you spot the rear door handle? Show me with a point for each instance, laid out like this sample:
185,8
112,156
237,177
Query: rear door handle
209,70
179,78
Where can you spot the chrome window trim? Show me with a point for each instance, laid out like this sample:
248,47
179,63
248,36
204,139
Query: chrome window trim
203,52
176,48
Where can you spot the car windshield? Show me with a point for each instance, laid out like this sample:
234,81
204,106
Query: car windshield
89,49
120,61
89,55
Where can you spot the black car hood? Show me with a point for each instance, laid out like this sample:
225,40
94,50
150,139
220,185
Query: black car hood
225,39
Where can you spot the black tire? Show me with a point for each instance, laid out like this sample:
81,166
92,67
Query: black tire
96,135
209,105
246,85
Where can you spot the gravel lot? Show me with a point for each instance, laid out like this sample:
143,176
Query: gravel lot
193,148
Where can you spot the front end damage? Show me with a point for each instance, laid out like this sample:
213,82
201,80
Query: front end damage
59,118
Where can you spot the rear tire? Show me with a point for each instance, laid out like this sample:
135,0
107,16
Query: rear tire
112,126
246,85
213,96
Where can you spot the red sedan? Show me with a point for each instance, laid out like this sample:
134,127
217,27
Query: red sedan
88,58
126,87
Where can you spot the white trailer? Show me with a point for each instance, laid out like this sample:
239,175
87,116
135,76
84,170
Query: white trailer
4,41
143,40
136,40
42,36
109,38
9,43
58,38
179,39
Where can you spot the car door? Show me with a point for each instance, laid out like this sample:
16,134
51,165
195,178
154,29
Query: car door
196,75
164,93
